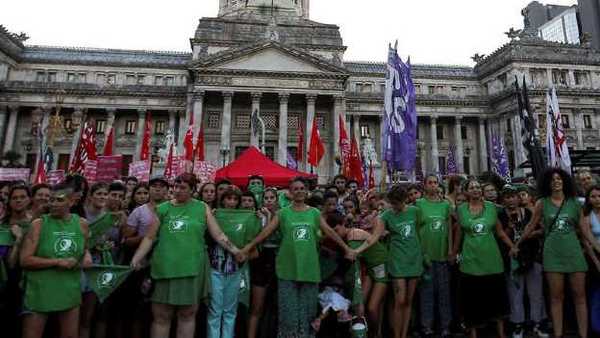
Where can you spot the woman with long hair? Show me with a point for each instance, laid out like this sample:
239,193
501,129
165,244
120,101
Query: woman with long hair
179,263
40,195
139,196
483,292
560,215
591,232
208,194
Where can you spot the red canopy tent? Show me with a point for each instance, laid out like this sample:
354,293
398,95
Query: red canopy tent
253,162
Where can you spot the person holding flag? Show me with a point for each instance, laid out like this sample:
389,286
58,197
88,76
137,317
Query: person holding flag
179,264
52,253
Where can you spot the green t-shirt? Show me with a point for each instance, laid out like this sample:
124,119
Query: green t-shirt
405,258
180,250
433,228
480,253
298,256
54,289
240,226
562,249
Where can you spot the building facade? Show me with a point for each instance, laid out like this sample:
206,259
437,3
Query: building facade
254,56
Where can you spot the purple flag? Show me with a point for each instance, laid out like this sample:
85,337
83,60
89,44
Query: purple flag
399,137
500,158
291,161
452,167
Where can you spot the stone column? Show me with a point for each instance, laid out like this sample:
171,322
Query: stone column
571,78
578,117
549,77
226,128
179,132
459,145
11,128
435,164
198,107
283,129
483,148
255,140
337,112
140,132
78,119
356,128
311,100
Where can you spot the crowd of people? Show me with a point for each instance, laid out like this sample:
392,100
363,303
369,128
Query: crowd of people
442,257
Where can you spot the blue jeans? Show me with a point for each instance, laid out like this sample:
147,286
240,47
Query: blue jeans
437,285
595,306
222,310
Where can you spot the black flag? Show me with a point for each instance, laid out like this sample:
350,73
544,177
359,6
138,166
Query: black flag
529,131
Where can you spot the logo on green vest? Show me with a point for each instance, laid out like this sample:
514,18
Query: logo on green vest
478,229
177,225
106,279
561,225
64,246
301,233
239,227
437,225
406,230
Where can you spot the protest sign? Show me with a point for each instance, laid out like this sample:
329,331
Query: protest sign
205,171
140,170
109,168
56,176
14,174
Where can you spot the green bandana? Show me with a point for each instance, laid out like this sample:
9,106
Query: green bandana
258,190
104,279
100,226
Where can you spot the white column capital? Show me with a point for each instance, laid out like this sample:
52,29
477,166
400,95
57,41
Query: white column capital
199,95
256,96
284,97
227,96
311,98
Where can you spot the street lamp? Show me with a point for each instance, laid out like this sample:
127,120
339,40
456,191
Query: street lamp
224,155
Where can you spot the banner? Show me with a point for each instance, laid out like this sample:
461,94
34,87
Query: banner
56,176
100,227
109,168
14,174
104,279
89,170
177,167
205,171
140,170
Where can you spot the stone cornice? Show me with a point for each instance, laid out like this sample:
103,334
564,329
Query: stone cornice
287,75
509,94
16,87
419,71
434,100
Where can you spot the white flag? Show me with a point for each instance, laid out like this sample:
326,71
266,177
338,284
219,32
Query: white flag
556,139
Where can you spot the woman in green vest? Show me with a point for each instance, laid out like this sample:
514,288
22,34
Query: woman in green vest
179,264
405,258
483,292
297,263
560,215
52,255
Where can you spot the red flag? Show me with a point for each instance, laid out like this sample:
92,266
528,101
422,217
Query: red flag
371,175
188,141
145,150
344,143
355,164
86,147
108,145
316,149
200,144
169,167
300,150
40,176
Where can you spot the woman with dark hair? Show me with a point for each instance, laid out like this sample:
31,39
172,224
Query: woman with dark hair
297,262
80,191
208,194
454,188
483,292
15,223
40,195
139,196
591,232
248,201
559,213
179,263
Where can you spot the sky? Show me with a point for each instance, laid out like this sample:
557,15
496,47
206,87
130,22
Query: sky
430,31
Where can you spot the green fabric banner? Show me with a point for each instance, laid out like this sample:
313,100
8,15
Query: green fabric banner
104,279
100,226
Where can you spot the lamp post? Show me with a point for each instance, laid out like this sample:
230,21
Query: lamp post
224,155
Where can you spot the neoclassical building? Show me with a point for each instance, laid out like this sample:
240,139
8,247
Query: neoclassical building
254,56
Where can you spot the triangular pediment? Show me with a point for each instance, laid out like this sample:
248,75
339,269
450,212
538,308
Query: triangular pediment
269,56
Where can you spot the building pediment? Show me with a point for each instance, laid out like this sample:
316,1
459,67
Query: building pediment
269,57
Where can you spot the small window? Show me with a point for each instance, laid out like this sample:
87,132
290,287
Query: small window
367,88
40,77
239,151
131,79
68,125
112,79
442,163
52,77
430,90
141,79
440,132
439,90
214,120
417,89
100,79
159,127
364,131
130,126
463,132
358,87
382,88
82,77
565,121
100,126
71,77
587,121
168,81
158,80
467,165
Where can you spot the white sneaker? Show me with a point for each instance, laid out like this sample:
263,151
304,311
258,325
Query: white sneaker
518,332
539,332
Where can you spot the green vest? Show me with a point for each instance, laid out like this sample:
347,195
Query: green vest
54,289
6,236
240,226
181,250
433,228
405,258
298,256
480,252
562,249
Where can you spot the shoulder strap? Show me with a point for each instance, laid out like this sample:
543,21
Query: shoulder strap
558,212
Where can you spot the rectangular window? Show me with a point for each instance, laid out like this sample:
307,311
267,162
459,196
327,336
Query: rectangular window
439,90
581,78
168,81
587,121
101,79
63,161
82,77
565,121
214,120
364,130
270,152
71,77
158,80
159,127
141,79
358,87
130,79
430,90
367,88
52,77
509,126
100,126
442,164
40,77
467,165
463,132
111,79
130,126
440,132
559,77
